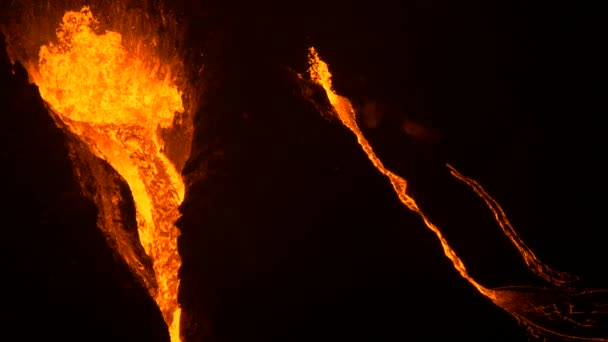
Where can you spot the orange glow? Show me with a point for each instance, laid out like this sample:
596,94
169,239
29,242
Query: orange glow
565,313
531,260
115,102
319,73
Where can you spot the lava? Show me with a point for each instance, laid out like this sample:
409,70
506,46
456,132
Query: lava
117,102
567,313
110,89
319,73
532,261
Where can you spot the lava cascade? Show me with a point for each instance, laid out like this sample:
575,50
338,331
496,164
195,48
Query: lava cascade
118,102
567,313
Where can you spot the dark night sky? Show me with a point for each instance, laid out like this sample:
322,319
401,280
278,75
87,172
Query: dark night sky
289,233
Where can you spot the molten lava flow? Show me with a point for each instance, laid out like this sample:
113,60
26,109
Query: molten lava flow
569,314
115,103
319,73
531,260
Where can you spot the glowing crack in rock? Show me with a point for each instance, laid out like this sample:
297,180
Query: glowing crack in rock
116,103
566,313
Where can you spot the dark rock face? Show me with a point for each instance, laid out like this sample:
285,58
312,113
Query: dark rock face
290,234
61,280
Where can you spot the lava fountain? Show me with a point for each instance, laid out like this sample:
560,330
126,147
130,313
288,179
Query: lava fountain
560,311
123,103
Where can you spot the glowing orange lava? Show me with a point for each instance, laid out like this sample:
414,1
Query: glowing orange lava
531,260
116,103
566,313
319,73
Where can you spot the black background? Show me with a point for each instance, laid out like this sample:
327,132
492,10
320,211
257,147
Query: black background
288,233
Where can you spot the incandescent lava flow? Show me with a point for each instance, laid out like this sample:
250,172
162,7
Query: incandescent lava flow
119,101
560,311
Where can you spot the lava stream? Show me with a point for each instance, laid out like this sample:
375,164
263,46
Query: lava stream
534,264
574,315
115,102
319,73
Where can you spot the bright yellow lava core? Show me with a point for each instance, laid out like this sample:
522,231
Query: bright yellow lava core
115,102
